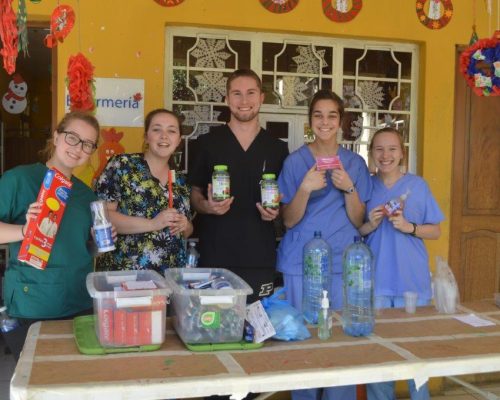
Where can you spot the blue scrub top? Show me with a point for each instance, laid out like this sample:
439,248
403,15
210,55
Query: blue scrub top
401,260
325,209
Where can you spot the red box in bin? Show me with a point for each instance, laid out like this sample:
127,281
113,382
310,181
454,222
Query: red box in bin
129,317
41,231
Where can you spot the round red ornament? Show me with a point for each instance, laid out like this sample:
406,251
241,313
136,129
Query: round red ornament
435,23
61,23
338,16
279,6
169,3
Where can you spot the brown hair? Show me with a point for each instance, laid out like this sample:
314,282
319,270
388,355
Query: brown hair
388,129
48,151
239,73
149,119
325,94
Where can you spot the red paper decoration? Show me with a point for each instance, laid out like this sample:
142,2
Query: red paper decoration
61,23
279,6
435,23
80,83
9,36
480,65
169,3
337,16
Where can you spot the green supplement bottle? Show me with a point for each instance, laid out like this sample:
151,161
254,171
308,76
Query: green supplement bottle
220,183
269,191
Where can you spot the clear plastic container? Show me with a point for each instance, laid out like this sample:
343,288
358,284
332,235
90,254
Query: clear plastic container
129,307
208,315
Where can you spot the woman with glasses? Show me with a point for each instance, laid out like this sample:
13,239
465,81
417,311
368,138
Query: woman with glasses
150,211
58,291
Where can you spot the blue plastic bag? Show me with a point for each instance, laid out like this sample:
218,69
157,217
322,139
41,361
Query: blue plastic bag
288,322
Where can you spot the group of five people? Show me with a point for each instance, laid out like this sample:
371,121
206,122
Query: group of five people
237,233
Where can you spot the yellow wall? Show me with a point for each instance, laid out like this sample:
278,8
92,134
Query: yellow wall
126,39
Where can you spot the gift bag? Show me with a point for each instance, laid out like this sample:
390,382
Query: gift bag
446,296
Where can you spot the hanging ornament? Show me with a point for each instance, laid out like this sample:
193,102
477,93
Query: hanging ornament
435,19
8,36
14,101
279,6
61,23
480,64
80,83
22,28
169,3
339,12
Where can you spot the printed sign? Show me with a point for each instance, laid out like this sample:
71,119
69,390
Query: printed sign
119,102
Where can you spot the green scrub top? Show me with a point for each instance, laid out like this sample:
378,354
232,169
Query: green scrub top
59,290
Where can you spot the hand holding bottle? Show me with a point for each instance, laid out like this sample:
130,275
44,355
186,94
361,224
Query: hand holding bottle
375,216
217,207
400,223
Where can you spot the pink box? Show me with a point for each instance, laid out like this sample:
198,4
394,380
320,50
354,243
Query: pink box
323,163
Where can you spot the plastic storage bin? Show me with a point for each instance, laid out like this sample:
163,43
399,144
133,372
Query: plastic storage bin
208,315
129,307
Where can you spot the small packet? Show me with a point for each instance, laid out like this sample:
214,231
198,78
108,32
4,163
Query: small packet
324,163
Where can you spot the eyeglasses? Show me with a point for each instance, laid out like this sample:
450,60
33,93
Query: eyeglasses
73,139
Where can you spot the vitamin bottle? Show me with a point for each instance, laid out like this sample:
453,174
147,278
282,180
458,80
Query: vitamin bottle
220,183
270,194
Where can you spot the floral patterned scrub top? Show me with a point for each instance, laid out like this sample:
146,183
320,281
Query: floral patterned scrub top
128,181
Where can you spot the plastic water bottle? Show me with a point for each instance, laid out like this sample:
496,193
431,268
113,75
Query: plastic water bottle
317,265
7,324
395,204
358,311
325,323
192,256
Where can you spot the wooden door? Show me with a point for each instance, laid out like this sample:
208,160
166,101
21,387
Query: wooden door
475,193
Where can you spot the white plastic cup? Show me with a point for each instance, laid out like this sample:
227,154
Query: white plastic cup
410,302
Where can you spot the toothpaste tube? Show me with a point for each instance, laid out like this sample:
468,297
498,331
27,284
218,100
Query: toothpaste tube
323,163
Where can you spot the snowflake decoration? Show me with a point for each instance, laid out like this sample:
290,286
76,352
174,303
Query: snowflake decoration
307,62
389,121
292,91
371,93
202,114
209,54
341,6
211,86
357,127
350,98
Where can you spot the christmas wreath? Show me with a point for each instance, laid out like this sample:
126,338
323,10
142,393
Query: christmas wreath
339,16
80,83
169,3
480,64
61,23
435,23
279,6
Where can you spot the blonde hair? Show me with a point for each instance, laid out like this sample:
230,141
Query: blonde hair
48,151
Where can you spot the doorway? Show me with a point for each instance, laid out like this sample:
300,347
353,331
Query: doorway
475,192
27,102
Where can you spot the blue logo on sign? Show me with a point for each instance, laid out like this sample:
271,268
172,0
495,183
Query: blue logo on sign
62,193
48,178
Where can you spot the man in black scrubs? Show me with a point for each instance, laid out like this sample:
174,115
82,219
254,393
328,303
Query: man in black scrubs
238,233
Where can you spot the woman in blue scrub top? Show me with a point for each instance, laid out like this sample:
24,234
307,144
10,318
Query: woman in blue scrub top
401,260
331,201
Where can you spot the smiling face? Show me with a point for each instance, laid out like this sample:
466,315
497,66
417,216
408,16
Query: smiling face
163,135
325,120
244,99
387,152
67,157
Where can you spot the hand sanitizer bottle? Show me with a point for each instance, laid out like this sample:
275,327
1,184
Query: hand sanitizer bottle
325,318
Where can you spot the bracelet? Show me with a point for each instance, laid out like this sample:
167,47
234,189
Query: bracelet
22,231
414,231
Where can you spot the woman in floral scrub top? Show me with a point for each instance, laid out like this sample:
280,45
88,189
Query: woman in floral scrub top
135,186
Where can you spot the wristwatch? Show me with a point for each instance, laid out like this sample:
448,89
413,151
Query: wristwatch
414,231
350,190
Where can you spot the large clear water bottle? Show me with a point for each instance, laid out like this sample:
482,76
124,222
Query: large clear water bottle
358,312
192,255
317,265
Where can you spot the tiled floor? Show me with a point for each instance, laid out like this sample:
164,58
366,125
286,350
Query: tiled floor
7,366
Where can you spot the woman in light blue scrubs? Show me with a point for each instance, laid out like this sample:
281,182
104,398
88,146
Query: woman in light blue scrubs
331,201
